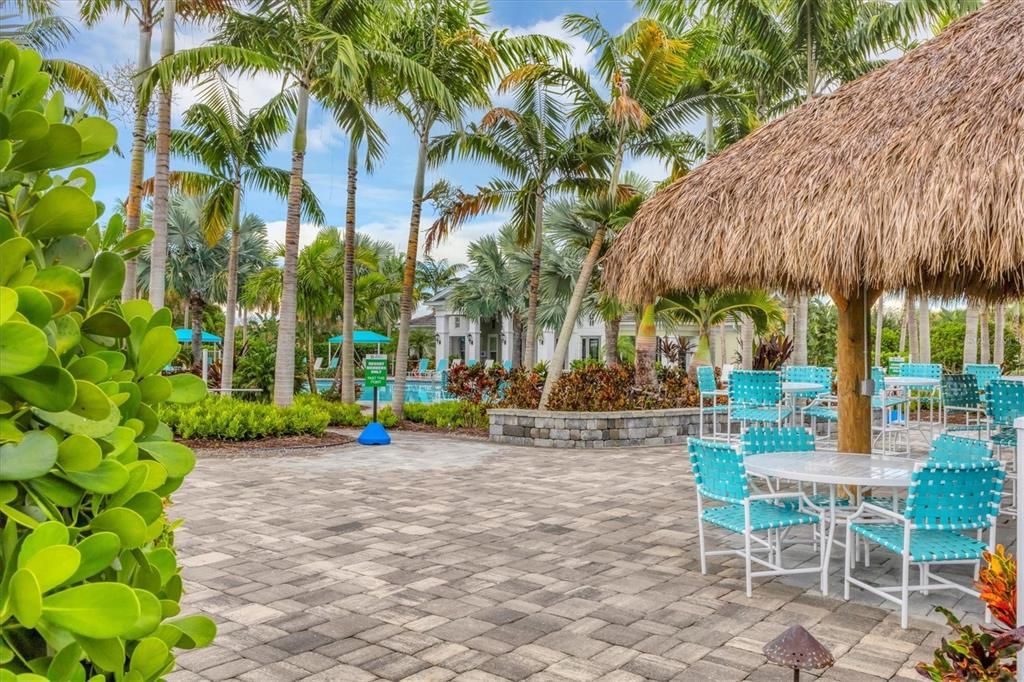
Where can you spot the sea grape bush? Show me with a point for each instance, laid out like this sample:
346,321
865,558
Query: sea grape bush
223,418
89,580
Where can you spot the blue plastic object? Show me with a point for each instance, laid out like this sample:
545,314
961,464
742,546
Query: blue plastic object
374,434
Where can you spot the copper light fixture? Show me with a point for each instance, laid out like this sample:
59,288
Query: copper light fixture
798,649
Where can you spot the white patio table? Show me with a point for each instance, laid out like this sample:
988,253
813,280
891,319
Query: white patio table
833,469
903,384
1012,377
791,388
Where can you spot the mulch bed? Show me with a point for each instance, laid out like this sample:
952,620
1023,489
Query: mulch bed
416,427
302,446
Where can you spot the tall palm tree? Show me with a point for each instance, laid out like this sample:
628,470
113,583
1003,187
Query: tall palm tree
538,157
641,69
320,48
232,146
449,38
146,14
162,163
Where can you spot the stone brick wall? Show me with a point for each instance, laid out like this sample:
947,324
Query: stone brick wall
594,429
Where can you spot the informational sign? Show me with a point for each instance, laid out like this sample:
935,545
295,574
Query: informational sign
375,371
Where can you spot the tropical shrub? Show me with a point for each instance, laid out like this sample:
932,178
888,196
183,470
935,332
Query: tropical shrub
523,388
772,352
89,580
477,384
991,652
224,418
459,414
339,413
255,365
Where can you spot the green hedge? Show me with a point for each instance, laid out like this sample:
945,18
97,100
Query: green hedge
458,414
224,418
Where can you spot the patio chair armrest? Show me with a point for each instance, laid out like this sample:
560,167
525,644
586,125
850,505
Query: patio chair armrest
876,509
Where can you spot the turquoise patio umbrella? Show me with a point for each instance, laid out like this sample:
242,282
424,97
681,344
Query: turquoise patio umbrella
360,336
185,336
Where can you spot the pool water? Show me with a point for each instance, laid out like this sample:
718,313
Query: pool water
415,391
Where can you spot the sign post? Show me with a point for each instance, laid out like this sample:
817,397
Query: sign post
375,376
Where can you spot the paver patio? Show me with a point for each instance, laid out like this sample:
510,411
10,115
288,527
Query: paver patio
438,559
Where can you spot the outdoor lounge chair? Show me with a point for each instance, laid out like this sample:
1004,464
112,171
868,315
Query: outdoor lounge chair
984,374
334,363
945,501
507,365
317,364
760,440
960,393
472,362
721,477
421,368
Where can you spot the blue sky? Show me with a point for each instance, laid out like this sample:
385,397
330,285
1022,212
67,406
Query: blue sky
384,197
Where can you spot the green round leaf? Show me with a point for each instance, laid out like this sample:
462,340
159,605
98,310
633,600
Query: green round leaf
106,323
150,615
156,388
105,279
98,136
83,179
98,552
22,348
62,282
164,561
147,505
156,474
34,305
72,251
60,147
72,422
46,388
138,307
28,125
149,657
176,458
128,525
159,347
107,654
67,334
197,631
65,665
8,303
45,535
61,211
79,453
25,598
88,368
186,388
135,240
52,566
106,479
97,610
33,456
12,257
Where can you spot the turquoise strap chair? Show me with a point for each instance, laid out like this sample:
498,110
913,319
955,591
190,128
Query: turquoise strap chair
759,440
945,500
721,477
756,397
442,366
960,394
923,392
1004,403
892,411
507,365
472,362
984,374
707,385
809,374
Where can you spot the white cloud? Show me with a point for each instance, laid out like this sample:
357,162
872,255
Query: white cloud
275,233
578,56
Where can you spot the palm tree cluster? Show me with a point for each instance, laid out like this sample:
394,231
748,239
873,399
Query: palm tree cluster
561,144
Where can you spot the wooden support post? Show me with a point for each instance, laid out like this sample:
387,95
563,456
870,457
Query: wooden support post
854,408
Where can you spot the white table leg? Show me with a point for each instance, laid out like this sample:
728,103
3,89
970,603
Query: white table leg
831,535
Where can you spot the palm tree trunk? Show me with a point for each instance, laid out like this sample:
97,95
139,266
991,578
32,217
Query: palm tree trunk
800,330
161,188
531,310
879,323
348,325
747,341
913,332
924,321
284,366
196,305
137,169
611,340
971,334
310,358
646,347
409,277
721,351
999,342
245,326
985,356
903,327
580,290
227,370
571,313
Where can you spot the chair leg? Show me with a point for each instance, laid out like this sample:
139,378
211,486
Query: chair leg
905,591
747,562
923,568
847,558
700,539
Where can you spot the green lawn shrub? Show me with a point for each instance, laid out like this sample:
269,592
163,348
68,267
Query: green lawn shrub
90,585
458,414
223,418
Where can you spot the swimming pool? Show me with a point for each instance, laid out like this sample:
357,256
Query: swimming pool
416,391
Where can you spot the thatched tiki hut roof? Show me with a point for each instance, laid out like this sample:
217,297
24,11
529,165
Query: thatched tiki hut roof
911,177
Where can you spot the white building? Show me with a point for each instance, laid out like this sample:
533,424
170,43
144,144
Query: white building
459,336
